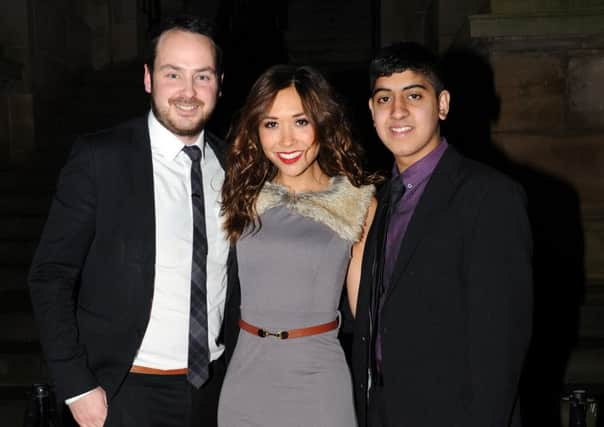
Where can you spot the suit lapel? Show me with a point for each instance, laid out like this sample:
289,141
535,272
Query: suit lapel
432,203
140,167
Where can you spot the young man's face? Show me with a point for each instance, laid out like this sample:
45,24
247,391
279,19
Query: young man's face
405,111
183,84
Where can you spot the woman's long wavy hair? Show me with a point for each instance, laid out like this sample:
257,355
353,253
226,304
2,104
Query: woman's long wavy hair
247,166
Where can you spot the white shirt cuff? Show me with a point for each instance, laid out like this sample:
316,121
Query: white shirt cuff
79,396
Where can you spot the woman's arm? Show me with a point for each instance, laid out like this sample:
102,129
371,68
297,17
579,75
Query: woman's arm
354,269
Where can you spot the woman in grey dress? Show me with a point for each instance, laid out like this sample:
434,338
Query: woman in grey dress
296,204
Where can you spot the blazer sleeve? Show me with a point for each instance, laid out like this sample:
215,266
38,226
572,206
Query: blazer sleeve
499,286
56,268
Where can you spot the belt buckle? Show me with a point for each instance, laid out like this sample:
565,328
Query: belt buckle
263,333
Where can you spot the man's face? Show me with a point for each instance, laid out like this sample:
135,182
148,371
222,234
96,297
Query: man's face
405,111
183,84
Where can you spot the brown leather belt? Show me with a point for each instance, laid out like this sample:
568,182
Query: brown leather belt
135,369
292,333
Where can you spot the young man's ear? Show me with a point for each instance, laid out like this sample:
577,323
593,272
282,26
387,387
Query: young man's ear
444,98
370,102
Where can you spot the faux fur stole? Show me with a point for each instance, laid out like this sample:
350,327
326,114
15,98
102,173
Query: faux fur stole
341,207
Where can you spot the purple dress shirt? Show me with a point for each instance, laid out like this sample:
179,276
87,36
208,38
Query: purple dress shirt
414,179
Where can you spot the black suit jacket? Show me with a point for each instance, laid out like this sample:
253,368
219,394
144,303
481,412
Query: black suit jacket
91,280
456,321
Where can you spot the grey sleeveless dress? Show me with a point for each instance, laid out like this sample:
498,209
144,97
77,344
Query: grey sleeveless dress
292,273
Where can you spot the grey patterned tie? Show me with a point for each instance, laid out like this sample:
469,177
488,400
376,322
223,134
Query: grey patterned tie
199,355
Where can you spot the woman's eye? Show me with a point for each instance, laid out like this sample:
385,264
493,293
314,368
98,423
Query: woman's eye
270,124
301,122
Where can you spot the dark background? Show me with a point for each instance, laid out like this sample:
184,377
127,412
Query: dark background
523,100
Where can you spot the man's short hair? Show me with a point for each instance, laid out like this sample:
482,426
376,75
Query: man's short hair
403,56
191,24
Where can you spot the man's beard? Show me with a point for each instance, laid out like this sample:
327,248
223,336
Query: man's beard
164,119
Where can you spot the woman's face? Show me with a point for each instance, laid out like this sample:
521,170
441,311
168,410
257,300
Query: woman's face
288,140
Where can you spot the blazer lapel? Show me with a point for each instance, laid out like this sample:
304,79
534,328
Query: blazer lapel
140,167
432,203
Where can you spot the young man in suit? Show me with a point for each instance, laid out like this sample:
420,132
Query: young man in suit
129,282
443,316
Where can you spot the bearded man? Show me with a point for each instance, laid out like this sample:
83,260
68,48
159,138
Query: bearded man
129,282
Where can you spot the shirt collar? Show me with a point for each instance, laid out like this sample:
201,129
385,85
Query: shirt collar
423,168
165,142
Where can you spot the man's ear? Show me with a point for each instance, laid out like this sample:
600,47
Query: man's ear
370,103
444,98
147,79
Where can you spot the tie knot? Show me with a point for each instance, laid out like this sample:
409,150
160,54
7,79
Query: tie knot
193,152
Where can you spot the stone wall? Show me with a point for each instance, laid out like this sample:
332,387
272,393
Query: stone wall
528,101
518,7
552,118
547,60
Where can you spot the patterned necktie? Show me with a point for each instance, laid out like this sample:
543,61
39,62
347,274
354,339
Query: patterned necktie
199,355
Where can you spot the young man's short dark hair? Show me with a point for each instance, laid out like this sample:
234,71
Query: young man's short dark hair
400,57
190,23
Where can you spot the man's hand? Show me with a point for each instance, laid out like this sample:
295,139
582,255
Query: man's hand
90,410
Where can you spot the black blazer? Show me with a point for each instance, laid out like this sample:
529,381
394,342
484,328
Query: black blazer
456,321
91,279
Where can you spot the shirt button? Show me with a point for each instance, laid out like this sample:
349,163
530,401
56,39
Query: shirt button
409,186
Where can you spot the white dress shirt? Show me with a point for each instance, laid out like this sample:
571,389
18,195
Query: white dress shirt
166,341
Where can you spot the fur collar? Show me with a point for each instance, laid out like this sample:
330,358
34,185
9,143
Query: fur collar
342,206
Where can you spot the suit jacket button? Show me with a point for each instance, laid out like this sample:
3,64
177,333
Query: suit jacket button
363,339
